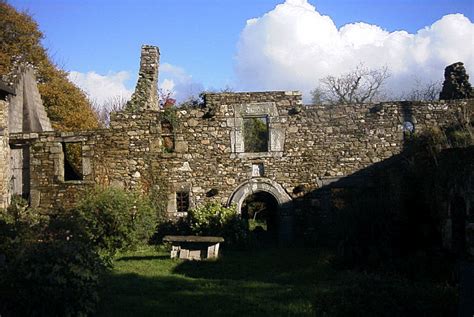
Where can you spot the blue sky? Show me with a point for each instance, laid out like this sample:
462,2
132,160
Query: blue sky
208,44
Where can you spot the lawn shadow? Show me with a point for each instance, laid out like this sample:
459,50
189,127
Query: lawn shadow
145,257
180,296
283,266
270,282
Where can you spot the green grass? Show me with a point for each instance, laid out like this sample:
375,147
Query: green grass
272,282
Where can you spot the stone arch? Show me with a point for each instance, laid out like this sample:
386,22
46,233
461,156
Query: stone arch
254,185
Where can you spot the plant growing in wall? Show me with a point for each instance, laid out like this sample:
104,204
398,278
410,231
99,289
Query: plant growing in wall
169,124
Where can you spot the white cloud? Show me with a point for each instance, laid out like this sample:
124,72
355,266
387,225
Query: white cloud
101,88
293,46
167,85
181,84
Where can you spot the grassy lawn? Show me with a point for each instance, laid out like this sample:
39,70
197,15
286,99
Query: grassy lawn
273,282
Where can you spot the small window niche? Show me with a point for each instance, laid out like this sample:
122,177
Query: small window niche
182,201
256,134
258,170
167,136
73,167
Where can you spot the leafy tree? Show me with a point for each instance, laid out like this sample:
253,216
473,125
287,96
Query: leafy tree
361,85
67,106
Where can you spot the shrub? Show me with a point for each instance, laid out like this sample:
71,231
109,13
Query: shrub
115,219
54,278
48,265
171,227
19,225
214,219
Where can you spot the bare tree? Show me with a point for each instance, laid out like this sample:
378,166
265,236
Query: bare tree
423,90
361,85
104,109
166,100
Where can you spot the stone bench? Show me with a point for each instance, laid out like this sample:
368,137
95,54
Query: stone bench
194,247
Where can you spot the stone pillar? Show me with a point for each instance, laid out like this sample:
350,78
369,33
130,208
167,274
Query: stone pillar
5,172
456,83
145,96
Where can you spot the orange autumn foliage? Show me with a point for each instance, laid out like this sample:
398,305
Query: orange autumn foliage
67,106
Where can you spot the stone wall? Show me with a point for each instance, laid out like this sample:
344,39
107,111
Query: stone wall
49,186
315,144
200,152
5,172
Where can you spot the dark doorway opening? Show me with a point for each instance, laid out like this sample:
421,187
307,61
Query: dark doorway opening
458,221
261,211
20,180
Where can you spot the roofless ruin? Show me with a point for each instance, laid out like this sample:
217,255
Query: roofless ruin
206,152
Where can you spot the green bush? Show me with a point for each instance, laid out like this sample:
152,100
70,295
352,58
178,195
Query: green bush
216,220
116,220
48,267
51,265
54,278
171,227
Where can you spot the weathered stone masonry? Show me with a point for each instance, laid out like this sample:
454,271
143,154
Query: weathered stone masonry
308,147
5,175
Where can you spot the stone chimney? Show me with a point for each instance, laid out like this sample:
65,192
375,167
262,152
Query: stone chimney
145,96
456,83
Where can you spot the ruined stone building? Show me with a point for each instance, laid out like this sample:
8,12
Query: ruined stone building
200,153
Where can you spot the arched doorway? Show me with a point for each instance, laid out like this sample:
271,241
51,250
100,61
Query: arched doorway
458,222
276,199
260,209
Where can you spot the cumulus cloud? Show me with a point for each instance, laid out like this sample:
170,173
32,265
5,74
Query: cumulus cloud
113,86
177,81
293,46
102,88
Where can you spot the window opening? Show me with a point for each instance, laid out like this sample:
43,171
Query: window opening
72,161
182,201
408,127
256,134
167,136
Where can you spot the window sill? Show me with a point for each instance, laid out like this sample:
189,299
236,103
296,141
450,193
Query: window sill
78,182
256,155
